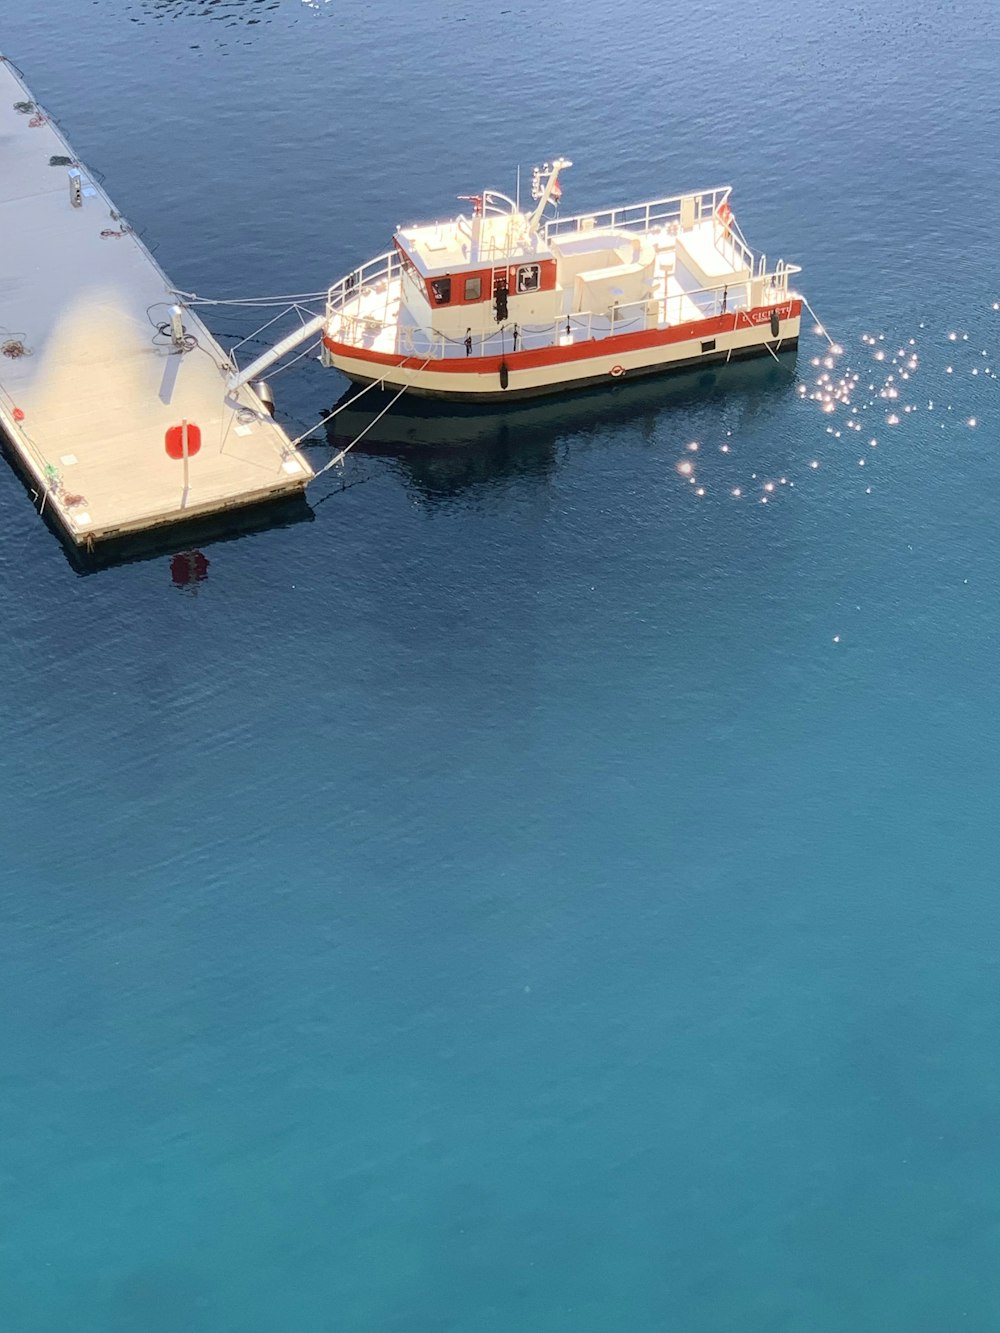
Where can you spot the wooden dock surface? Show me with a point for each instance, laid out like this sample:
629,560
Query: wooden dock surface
88,388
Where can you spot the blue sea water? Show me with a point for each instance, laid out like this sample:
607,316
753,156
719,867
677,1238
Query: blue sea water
530,894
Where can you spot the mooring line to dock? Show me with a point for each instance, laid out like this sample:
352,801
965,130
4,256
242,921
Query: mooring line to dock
288,307
791,369
339,458
252,336
192,298
330,415
819,323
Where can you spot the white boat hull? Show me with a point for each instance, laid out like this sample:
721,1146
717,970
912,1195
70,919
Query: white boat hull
523,374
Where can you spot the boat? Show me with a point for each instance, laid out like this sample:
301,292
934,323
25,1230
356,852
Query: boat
499,303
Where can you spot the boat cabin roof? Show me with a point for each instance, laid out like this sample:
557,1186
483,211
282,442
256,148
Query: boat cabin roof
447,247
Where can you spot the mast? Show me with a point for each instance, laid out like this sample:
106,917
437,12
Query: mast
553,179
476,229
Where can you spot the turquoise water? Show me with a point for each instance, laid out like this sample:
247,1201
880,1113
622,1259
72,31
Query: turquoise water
528,895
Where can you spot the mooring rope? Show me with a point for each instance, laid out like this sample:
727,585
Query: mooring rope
253,336
193,298
794,373
343,406
819,323
339,458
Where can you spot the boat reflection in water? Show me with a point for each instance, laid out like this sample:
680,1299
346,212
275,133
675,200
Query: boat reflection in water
443,451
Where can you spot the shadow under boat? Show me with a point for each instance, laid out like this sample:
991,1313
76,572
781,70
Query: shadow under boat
443,450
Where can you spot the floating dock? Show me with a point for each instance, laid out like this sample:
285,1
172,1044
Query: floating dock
95,377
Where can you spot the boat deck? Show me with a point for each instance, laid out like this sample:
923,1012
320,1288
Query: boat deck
88,387
692,275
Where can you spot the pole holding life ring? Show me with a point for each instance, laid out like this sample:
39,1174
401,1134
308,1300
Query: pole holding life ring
617,371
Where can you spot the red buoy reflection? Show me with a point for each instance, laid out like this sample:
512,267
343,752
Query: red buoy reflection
188,569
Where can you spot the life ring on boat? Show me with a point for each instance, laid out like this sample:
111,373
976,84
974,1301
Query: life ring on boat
408,344
617,371
724,214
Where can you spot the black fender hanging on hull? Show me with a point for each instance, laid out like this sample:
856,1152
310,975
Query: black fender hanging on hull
719,359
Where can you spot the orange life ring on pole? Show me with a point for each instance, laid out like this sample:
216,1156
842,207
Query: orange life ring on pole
617,371
724,214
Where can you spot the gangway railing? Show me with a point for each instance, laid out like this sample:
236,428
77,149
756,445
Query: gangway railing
311,329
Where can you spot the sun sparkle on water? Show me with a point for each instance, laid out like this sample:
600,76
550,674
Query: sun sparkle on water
843,395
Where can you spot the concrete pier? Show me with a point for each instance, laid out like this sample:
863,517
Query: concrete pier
89,389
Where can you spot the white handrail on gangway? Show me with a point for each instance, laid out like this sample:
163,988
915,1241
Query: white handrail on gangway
280,349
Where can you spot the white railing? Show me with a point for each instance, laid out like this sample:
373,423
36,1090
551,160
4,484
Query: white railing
659,213
731,245
419,343
354,284
641,217
495,201
664,309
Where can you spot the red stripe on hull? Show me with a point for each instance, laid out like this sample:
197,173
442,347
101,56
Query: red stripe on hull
592,349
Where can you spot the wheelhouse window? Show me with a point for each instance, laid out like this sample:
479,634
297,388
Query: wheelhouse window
528,278
473,289
441,290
